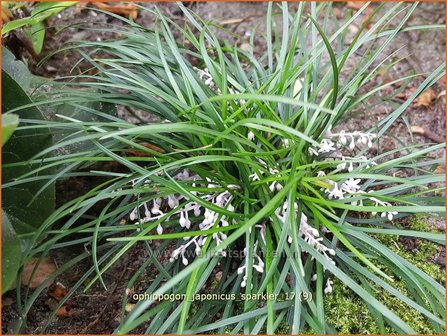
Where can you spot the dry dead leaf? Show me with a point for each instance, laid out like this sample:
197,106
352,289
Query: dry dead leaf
80,6
43,271
63,311
440,169
231,21
6,14
427,133
128,9
426,98
57,291
417,130
138,153
356,5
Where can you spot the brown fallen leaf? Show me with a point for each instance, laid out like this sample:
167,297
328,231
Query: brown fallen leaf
63,311
426,98
80,6
45,269
417,130
440,169
231,21
356,5
138,153
6,14
57,291
128,9
427,133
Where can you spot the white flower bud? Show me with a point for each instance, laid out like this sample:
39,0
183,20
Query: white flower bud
197,211
172,202
350,167
182,220
250,136
352,145
132,215
175,253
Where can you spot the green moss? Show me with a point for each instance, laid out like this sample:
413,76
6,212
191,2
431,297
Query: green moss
419,222
349,314
284,328
425,248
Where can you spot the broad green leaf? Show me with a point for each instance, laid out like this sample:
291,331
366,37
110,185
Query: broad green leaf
37,35
11,253
9,124
22,146
16,69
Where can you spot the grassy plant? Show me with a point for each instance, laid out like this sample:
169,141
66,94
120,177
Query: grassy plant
244,155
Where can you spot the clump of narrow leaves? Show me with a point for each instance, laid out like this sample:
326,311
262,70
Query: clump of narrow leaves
245,171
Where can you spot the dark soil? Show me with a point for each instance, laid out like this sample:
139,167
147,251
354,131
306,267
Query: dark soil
98,311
